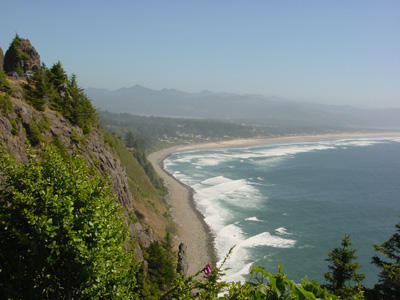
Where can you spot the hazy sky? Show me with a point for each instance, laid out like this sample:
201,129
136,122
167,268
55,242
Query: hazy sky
340,52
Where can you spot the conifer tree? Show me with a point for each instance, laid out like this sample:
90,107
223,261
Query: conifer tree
343,279
57,75
14,57
389,276
38,90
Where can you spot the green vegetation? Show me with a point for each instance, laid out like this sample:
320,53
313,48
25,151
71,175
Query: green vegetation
14,56
161,270
140,156
52,88
263,285
389,276
147,134
62,235
33,132
343,273
6,105
4,84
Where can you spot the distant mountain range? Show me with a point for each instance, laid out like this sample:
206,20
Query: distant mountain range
256,109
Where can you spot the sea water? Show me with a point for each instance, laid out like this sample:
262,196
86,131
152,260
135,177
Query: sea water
291,204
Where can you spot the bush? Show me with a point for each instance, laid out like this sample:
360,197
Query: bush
6,105
62,235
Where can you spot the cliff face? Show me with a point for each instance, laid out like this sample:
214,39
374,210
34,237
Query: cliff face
21,56
20,122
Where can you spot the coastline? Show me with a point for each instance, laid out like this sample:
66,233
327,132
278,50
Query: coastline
191,227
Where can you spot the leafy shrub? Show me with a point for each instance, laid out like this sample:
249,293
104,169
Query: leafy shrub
263,285
62,235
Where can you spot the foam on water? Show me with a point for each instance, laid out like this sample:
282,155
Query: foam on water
255,219
226,201
282,231
267,239
221,189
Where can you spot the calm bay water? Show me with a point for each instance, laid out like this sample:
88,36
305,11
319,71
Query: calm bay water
290,204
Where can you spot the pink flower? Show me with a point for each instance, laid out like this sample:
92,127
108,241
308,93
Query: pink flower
207,270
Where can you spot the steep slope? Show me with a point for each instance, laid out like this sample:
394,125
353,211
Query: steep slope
22,126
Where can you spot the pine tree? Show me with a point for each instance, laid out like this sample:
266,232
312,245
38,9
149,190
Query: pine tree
343,279
57,75
389,276
38,90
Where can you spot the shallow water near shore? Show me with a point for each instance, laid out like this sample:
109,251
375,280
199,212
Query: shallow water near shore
290,204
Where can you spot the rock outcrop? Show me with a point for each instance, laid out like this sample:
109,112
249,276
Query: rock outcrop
21,57
182,266
16,125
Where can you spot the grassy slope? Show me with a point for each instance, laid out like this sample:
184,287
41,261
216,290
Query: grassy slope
149,202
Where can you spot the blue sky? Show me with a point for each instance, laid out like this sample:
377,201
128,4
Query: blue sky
337,52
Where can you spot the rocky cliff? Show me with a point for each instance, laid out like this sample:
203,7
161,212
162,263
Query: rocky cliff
21,56
20,122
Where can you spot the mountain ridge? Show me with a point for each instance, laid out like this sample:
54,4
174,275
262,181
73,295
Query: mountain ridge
140,100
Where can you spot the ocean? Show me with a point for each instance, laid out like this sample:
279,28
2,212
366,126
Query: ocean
291,204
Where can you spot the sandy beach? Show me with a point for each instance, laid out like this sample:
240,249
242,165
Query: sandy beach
191,228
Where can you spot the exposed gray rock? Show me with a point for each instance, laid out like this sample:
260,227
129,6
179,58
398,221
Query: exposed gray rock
182,266
21,56
93,149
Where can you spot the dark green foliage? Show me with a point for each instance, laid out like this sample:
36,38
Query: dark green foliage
53,88
343,279
61,232
4,84
38,90
151,133
77,107
130,140
389,276
14,57
149,170
263,285
161,269
57,75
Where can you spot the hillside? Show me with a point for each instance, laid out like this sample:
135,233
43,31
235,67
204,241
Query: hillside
260,110
50,110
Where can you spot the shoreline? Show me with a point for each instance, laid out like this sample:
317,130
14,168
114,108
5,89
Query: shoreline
192,230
